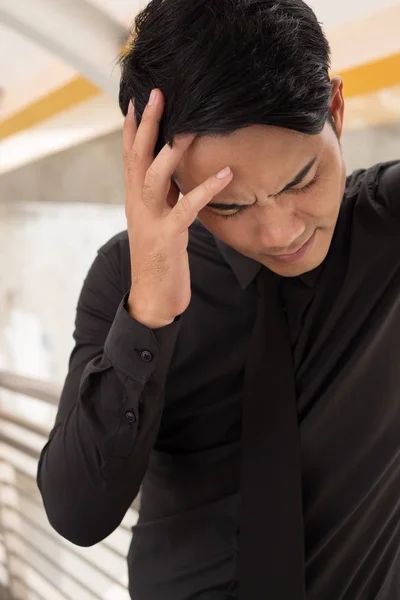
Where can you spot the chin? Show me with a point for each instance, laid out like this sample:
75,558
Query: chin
288,270
292,270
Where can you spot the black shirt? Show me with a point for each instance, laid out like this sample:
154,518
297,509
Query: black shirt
163,409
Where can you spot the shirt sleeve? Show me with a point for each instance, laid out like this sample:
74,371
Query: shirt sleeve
109,414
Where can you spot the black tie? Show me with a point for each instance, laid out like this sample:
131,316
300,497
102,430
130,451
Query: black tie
271,549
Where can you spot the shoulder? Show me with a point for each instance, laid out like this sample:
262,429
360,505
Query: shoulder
115,254
118,243
376,193
385,183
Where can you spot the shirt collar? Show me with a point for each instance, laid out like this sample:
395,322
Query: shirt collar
246,269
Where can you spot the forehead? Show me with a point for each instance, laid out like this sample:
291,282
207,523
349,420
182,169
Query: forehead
252,153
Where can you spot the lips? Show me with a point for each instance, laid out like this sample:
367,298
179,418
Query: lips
295,252
287,258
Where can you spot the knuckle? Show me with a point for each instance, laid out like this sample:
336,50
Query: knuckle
132,161
150,185
184,204
134,157
176,216
206,188
131,170
183,210
147,193
152,177
147,119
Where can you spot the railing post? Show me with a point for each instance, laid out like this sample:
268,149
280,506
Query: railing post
5,476
39,563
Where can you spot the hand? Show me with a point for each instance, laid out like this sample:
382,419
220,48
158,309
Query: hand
157,222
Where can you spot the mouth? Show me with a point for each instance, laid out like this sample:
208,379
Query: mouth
295,256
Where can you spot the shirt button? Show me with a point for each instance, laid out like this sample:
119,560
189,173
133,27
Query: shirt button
130,417
146,356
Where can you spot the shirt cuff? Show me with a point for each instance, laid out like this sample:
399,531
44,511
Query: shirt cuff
137,351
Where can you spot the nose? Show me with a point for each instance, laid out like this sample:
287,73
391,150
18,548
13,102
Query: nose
280,231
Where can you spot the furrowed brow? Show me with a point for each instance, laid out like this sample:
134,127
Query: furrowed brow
298,179
300,176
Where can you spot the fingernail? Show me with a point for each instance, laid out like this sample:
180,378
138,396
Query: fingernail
224,173
153,97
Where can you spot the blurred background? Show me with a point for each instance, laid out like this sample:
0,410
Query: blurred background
61,198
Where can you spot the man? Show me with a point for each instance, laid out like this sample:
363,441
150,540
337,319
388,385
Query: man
237,350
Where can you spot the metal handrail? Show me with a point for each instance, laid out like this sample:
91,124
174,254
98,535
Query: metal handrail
46,391
51,561
54,538
33,594
49,393
32,453
22,422
23,560
36,502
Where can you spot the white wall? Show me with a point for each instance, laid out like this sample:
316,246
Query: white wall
45,252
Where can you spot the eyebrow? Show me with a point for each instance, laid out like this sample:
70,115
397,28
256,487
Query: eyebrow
298,179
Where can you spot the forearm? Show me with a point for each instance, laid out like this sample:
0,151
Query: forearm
110,410
91,471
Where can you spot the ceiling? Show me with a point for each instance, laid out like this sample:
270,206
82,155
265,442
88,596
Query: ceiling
64,53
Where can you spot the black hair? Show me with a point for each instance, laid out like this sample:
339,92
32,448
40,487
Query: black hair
227,64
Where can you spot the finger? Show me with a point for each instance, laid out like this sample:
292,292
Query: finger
128,137
188,208
148,130
141,154
157,181
129,130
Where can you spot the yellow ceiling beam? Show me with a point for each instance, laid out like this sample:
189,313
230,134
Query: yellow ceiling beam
372,76
74,92
360,80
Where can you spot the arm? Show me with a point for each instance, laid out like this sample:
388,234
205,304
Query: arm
110,409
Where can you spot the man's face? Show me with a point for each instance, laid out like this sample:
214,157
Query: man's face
289,231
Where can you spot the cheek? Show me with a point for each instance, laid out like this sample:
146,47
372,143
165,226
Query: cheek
323,203
318,208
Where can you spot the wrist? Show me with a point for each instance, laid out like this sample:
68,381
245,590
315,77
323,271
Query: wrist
145,317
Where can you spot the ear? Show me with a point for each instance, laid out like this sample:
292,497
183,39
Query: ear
337,104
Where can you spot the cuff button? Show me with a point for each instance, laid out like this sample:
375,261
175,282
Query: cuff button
146,356
130,417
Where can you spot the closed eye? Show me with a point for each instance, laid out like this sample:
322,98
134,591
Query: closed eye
235,214
301,190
